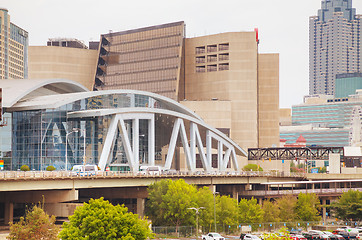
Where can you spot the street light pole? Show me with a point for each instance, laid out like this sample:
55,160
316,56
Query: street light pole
197,219
66,145
215,210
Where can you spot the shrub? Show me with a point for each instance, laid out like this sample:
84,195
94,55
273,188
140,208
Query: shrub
252,167
25,168
50,168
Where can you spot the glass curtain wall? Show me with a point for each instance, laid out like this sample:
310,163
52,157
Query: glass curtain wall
39,137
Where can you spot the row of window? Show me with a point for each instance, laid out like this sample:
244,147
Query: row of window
212,58
212,67
212,48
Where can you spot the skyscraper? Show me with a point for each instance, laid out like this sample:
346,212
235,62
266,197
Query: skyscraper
334,45
13,48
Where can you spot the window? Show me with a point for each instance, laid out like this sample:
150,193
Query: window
200,50
223,56
212,68
200,69
200,59
211,48
223,66
212,58
223,46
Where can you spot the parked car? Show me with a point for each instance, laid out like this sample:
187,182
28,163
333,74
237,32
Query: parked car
84,170
359,235
310,236
244,236
348,232
333,236
297,236
212,236
320,234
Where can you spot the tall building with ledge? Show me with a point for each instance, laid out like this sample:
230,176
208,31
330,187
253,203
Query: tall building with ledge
222,77
334,45
13,49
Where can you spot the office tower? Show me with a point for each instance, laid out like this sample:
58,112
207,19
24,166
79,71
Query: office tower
146,59
13,49
63,58
334,45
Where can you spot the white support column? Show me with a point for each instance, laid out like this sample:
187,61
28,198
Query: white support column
172,145
151,141
195,138
226,159
190,164
127,146
209,147
108,143
136,143
235,161
219,155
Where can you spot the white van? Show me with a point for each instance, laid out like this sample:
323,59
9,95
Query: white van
151,170
84,170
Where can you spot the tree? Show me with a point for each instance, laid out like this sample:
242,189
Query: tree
179,197
252,167
36,225
307,207
250,211
286,205
271,212
349,206
154,208
227,211
99,219
205,199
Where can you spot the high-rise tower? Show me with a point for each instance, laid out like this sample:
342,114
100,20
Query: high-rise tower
334,45
13,48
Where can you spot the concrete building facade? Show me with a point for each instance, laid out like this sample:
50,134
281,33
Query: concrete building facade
334,45
65,59
13,48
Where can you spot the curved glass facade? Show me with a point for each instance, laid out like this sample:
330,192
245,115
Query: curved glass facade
39,136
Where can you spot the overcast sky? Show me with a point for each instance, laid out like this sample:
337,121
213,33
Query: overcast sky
283,25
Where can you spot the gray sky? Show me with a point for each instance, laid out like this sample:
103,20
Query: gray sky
283,25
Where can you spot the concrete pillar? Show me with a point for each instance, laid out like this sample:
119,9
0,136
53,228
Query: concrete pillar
9,212
260,201
141,207
324,202
235,193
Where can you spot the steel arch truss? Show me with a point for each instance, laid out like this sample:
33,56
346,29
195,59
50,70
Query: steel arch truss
225,150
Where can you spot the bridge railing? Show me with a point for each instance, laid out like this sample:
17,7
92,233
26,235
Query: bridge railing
323,191
110,174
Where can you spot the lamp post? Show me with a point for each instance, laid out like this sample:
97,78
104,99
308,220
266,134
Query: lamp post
197,219
66,145
215,209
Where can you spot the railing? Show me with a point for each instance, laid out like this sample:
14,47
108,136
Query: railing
322,191
113,174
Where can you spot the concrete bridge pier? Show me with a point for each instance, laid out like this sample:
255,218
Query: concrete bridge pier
9,212
141,207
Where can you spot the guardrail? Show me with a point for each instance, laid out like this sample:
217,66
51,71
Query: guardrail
113,174
322,191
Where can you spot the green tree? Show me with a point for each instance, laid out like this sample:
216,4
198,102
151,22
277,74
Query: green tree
36,225
250,211
226,211
349,206
25,168
271,212
154,208
99,219
307,207
205,199
286,205
179,197
252,167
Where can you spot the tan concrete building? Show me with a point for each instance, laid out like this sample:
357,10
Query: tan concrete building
77,64
13,48
228,68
